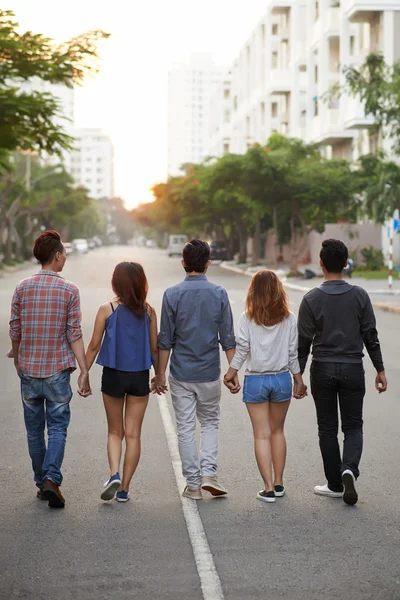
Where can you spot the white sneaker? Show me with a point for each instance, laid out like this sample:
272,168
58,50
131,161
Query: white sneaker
210,484
192,494
350,495
323,490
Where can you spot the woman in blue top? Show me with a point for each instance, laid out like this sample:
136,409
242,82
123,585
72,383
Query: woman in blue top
125,340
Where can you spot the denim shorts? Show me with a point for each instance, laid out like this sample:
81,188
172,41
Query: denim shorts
276,387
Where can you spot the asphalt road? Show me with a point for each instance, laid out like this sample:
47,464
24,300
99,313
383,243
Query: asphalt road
303,547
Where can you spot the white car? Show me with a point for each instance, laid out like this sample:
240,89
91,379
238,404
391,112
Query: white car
151,244
80,246
176,244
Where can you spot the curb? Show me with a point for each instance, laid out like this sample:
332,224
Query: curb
20,267
299,288
387,307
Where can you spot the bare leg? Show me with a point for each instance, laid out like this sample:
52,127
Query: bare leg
115,419
277,416
259,415
135,409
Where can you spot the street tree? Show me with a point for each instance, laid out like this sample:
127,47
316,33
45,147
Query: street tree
30,121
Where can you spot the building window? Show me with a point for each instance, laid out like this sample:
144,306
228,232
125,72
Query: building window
316,74
88,181
262,113
275,29
99,181
316,10
226,148
263,35
235,103
227,93
274,110
99,160
274,61
352,45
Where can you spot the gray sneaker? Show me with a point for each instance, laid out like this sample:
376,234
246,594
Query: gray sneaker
192,494
210,484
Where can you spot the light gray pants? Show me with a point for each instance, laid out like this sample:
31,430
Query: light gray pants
203,400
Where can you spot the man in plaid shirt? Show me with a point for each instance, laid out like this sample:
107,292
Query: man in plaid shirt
45,329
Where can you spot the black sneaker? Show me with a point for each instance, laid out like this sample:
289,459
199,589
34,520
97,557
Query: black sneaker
350,495
266,496
279,491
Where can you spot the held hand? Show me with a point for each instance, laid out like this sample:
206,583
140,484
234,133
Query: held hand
10,353
84,389
299,391
159,385
232,384
381,382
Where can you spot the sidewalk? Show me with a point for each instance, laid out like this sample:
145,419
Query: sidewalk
372,287
14,269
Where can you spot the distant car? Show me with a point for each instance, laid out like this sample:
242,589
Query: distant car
68,248
151,244
176,244
97,241
91,244
80,246
219,250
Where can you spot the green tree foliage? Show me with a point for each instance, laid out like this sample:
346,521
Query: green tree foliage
28,121
285,184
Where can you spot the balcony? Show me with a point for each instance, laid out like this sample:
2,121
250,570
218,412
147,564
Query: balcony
279,7
327,129
331,25
354,116
361,11
279,81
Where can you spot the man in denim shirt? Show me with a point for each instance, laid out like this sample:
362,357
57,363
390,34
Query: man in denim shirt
196,317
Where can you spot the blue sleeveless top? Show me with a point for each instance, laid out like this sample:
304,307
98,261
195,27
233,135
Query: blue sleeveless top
126,343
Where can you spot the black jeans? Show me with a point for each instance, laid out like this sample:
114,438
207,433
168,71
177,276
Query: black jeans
346,382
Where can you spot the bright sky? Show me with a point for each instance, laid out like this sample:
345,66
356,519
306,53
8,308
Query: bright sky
128,99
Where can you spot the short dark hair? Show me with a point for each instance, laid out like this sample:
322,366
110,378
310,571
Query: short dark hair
46,246
196,255
334,255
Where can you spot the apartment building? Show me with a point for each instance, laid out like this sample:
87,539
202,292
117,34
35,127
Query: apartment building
190,88
343,34
92,162
282,76
220,132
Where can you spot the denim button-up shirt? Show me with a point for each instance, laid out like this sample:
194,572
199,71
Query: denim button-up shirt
196,317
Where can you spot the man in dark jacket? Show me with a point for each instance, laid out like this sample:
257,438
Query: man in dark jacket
336,319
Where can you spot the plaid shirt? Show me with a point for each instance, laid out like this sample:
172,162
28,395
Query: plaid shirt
45,319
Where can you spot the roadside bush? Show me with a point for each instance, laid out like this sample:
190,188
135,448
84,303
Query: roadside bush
373,258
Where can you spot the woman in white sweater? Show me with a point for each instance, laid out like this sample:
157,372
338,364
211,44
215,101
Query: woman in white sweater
267,339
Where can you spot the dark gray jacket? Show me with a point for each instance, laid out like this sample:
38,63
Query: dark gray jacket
337,320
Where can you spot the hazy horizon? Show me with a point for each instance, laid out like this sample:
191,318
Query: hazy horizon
128,99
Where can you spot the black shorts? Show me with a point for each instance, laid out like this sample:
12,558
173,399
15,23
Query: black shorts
119,383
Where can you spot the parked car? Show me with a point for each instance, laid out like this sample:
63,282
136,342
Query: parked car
91,244
68,247
176,244
80,246
151,244
219,250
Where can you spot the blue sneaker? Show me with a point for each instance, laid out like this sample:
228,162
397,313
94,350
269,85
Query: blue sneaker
122,496
110,487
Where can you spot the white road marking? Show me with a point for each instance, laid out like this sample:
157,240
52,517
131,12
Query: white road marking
209,578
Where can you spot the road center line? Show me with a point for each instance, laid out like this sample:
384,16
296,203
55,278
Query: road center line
209,578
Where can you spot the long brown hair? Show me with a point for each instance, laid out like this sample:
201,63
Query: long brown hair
129,283
267,302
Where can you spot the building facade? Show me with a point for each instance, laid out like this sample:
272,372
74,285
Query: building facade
190,87
92,162
283,76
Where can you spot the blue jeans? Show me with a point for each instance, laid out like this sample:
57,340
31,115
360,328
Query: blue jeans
274,387
46,400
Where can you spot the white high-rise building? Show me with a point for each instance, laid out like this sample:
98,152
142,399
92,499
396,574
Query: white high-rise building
281,78
190,87
92,162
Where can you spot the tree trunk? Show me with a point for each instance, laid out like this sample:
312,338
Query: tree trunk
294,253
8,247
242,245
256,242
